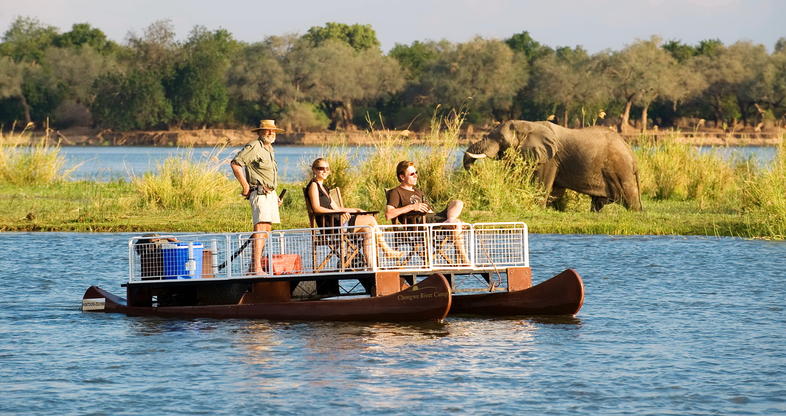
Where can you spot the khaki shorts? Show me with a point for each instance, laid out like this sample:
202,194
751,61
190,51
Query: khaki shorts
264,208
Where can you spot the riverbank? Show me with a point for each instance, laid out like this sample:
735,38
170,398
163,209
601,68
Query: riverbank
231,137
111,207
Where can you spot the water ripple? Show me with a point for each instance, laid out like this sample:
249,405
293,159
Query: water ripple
671,325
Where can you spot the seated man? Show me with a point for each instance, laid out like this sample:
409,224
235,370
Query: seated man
406,200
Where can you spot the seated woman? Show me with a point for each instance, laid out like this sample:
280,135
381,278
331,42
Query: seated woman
321,203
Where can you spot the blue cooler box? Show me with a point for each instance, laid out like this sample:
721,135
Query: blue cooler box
178,265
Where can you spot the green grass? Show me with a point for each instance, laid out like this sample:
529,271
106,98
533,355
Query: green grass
112,207
685,192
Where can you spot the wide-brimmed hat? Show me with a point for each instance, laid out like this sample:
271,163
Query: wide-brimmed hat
267,125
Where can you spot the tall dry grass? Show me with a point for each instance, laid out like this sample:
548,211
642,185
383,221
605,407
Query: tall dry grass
36,164
672,170
179,183
435,161
765,197
501,186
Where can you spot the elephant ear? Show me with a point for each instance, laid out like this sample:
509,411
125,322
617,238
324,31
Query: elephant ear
537,139
550,142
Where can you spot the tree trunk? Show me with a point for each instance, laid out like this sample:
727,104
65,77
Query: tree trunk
743,111
26,108
565,117
340,115
625,116
718,113
644,118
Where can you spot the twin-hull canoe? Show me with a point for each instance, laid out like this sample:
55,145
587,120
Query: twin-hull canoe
429,300
210,275
563,294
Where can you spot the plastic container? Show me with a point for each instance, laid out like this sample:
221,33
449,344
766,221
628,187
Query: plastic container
182,260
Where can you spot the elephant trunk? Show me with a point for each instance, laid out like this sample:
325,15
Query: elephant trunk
479,150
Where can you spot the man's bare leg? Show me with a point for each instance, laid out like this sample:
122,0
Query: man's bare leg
454,210
258,242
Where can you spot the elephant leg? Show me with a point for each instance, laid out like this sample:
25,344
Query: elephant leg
556,198
598,202
547,173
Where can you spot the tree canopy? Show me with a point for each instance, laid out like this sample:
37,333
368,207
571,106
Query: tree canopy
334,74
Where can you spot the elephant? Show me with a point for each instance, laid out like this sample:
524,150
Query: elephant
594,161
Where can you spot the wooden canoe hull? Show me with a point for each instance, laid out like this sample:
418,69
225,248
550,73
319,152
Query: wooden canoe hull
429,300
563,294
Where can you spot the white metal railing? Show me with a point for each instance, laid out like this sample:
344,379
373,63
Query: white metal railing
330,250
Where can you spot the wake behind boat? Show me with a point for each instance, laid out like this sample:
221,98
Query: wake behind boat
328,274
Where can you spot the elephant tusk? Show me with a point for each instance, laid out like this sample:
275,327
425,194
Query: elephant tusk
476,155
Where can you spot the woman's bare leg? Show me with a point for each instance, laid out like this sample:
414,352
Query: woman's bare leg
369,220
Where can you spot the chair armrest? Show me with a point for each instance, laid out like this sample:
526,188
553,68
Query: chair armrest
364,213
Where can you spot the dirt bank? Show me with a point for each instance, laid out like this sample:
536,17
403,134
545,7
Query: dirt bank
214,137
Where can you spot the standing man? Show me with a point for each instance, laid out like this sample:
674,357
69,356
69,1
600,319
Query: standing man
255,168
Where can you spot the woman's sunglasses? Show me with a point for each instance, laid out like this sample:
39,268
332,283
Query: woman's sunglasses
325,168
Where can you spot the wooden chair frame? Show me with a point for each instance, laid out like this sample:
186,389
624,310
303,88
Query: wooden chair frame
441,245
338,240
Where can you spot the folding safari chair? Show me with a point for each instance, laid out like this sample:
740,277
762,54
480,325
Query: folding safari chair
441,238
341,244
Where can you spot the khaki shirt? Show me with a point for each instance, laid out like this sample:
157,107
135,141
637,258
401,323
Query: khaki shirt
260,164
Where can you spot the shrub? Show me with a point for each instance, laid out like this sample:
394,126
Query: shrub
305,117
40,163
184,183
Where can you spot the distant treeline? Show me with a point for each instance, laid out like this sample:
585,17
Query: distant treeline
336,76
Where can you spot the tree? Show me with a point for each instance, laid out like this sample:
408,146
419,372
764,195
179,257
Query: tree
197,88
709,47
74,70
136,100
639,74
739,78
417,57
569,79
82,34
780,45
484,74
680,51
337,75
156,49
532,49
27,39
67,76
257,82
359,37
778,101
24,43
11,77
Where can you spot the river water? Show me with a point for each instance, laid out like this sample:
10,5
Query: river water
106,163
670,325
